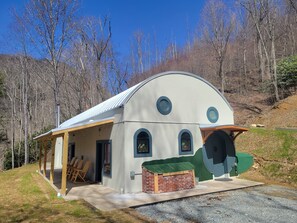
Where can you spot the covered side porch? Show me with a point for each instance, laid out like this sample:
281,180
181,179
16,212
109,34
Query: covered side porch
46,142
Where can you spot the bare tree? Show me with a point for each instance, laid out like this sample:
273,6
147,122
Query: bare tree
257,12
50,24
118,81
90,66
289,29
10,90
293,4
218,25
270,29
139,46
96,36
263,15
22,42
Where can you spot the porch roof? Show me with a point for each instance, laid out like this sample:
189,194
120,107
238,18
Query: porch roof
80,126
233,128
208,129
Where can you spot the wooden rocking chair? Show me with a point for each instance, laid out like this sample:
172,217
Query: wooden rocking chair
71,163
81,173
77,165
70,167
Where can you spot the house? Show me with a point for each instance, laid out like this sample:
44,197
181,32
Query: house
174,124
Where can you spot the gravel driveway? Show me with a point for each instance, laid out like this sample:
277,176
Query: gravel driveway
256,204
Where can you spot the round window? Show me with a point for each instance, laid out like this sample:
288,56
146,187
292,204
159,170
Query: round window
212,114
164,105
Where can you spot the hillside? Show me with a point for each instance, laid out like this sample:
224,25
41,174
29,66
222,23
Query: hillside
282,114
274,151
248,106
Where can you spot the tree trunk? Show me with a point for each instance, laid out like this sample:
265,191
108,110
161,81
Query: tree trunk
12,129
293,40
21,127
244,67
25,107
261,61
222,75
274,79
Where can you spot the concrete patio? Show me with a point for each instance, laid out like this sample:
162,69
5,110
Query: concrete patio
107,199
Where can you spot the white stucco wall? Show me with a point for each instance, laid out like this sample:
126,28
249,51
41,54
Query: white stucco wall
58,153
117,180
190,99
164,145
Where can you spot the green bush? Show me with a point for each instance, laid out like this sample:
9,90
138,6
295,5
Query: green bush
287,74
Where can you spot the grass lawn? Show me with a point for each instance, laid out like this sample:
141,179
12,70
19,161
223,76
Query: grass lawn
275,155
26,197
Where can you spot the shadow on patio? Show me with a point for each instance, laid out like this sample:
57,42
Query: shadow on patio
58,180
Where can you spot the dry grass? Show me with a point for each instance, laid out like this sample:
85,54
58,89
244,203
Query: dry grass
282,114
26,197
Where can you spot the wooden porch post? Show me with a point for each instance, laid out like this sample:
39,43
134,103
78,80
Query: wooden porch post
64,165
53,146
40,153
45,157
156,183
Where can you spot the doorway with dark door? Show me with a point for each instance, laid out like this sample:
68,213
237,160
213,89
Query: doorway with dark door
71,151
103,160
220,153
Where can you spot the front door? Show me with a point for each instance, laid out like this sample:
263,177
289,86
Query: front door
219,153
99,161
103,159
71,151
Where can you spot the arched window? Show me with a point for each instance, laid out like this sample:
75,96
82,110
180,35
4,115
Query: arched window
185,142
142,143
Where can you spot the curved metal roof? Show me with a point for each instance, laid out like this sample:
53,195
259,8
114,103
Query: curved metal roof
122,98
110,104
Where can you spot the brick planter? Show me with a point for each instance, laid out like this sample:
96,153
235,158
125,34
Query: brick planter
167,182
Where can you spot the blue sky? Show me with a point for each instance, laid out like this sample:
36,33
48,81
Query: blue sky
169,19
